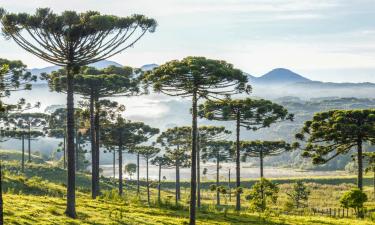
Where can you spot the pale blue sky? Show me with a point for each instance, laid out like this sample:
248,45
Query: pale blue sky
329,40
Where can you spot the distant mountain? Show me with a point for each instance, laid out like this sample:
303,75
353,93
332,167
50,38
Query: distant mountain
279,76
149,67
49,69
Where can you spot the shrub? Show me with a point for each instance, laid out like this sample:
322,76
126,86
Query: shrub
262,193
355,199
299,195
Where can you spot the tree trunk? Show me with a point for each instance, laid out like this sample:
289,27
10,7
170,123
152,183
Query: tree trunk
77,148
23,153
97,146
217,180
360,164
71,198
159,184
238,179
29,143
261,162
193,182
114,164
93,150
120,167
177,182
64,150
148,187
137,173
229,187
198,172
261,174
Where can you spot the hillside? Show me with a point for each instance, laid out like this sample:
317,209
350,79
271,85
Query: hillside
38,197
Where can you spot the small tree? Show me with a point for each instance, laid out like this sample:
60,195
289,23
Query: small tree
34,125
220,151
176,141
161,162
73,40
261,149
337,132
130,168
355,199
124,134
299,194
261,194
251,114
147,152
207,134
21,135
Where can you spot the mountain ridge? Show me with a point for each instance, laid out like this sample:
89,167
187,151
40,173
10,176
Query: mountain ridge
277,76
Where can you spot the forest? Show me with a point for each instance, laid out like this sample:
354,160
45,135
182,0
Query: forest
99,168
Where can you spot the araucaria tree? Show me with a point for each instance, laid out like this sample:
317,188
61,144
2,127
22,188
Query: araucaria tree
196,78
147,152
123,134
261,149
206,134
251,114
161,162
13,77
33,125
95,84
336,132
73,40
220,151
176,141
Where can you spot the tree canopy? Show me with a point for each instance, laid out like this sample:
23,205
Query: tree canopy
336,132
74,38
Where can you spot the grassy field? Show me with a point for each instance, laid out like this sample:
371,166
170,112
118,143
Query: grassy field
38,197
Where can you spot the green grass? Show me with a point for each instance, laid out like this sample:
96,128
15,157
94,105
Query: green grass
38,197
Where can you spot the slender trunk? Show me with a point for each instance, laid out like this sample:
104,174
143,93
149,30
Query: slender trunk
193,182
137,173
217,180
198,172
148,187
93,151
64,150
178,174
97,146
71,197
159,183
238,179
114,164
77,148
120,166
261,174
1,196
360,164
23,153
261,162
177,180
230,190
29,143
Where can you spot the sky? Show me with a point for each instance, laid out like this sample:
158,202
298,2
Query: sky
327,40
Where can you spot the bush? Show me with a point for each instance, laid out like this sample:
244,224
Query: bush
355,199
261,194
